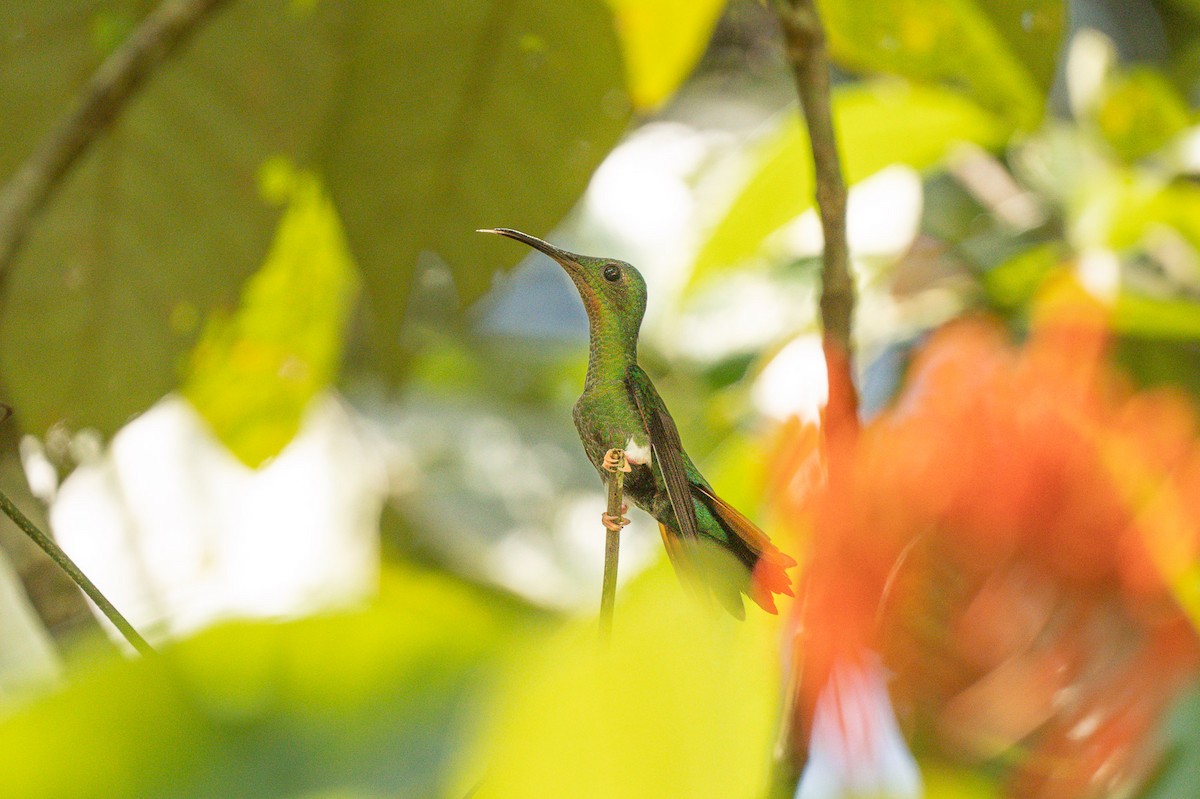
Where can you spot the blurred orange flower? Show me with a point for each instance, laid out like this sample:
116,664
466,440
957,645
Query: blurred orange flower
1016,537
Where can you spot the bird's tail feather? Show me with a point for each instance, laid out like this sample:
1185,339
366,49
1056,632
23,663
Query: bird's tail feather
768,565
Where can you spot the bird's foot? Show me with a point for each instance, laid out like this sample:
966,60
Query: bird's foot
615,523
615,461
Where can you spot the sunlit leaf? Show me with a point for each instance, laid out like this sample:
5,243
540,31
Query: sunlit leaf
1139,112
162,221
661,42
363,703
877,124
1152,317
1014,283
681,704
1004,54
460,116
1136,211
946,782
252,375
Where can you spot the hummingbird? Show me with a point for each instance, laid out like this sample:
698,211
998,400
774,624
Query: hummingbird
620,410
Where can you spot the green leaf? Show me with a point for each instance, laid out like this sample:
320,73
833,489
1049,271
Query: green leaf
1002,54
365,703
1150,317
426,120
955,782
459,116
252,375
161,221
1013,284
878,124
1139,112
1138,208
662,40
681,704
1179,772
1161,362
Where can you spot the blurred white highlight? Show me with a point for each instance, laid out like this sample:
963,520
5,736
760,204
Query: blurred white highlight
179,534
883,213
794,382
856,748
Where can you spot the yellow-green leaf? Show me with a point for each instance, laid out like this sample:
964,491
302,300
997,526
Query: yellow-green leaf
682,703
878,124
1139,112
367,703
662,40
252,375
1003,54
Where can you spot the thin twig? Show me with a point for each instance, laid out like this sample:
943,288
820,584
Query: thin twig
51,548
101,101
804,39
612,545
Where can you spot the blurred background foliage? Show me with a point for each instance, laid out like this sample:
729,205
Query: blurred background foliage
312,434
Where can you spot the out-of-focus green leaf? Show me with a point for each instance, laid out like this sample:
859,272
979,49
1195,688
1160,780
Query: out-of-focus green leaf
1156,318
878,124
1138,209
366,703
161,221
1002,53
1180,772
1161,362
681,704
1014,283
662,41
947,782
459,116
1139,112
425,119
1180,21
252,375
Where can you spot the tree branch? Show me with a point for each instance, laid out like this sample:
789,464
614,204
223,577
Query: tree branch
805,46
101,101
804,40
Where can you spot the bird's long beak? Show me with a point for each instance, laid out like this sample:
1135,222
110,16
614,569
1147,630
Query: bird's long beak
568,260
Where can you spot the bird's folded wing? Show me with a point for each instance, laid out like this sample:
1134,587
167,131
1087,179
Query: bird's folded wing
668,450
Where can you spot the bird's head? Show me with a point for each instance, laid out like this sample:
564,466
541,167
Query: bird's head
613,292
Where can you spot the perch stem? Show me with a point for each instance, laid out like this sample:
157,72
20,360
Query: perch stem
612,546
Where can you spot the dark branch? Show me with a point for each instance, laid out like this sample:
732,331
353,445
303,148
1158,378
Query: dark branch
804,40
101,101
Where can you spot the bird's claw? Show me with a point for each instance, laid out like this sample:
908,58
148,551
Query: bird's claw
614,523
615,461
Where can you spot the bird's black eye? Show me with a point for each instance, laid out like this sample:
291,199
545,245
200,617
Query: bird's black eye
612,273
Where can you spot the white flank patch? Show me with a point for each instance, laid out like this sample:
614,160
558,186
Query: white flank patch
637,453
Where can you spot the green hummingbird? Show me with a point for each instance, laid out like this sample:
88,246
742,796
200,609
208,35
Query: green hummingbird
620,410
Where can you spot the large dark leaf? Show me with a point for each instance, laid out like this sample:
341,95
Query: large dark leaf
162,220
453,117
427,119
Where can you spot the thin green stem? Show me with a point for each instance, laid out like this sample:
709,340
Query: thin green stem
612,546
51,548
